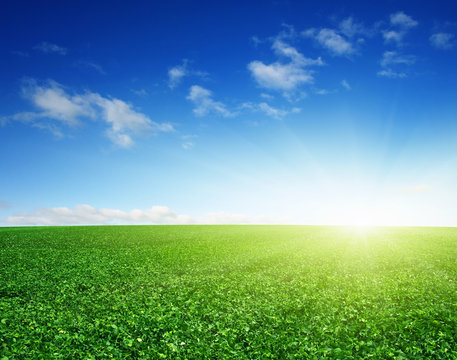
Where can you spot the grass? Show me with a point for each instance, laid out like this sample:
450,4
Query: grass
228,292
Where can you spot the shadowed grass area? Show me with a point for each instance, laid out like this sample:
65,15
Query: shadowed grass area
232,292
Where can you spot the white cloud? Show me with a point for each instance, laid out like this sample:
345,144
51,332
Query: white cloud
277,113
125,121
204,103
393,36
187,145
402,20
390,58
331,40
443,41
284,77
177,73
88,215
389,73
269,110
323,92
345,84
49,48
266,96
391,61
56,105
401,24
283,49
277,76
343,40
188,142
350,28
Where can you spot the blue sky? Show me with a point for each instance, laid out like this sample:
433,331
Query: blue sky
228,112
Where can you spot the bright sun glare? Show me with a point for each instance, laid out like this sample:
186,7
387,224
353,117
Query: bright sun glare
361,218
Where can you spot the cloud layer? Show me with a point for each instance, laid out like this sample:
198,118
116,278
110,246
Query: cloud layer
88,215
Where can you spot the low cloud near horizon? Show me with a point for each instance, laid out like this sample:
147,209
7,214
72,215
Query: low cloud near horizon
415,189
156,215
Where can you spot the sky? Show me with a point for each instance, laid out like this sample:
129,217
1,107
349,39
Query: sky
206,112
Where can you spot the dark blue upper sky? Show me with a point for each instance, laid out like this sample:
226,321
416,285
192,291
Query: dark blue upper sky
253,111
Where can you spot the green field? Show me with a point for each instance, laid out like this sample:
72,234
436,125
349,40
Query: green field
228,292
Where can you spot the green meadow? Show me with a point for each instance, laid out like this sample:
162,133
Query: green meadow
228,292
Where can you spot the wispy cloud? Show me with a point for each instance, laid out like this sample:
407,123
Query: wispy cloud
269,110
125,121
188,141
278,113
204,103
393,64
345,84
187,145
283,49
255,40
286,77
139,92
402,20
401,24
443,41
23,54
88,215
342,40
177,73
55,103
390,58
49,48
331,40
389,73
57,107
266,96
351,28
323,91
83,64
393,36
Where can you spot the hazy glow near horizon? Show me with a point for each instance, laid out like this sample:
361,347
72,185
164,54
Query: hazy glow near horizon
312,114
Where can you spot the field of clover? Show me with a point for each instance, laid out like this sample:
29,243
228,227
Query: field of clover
228,292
